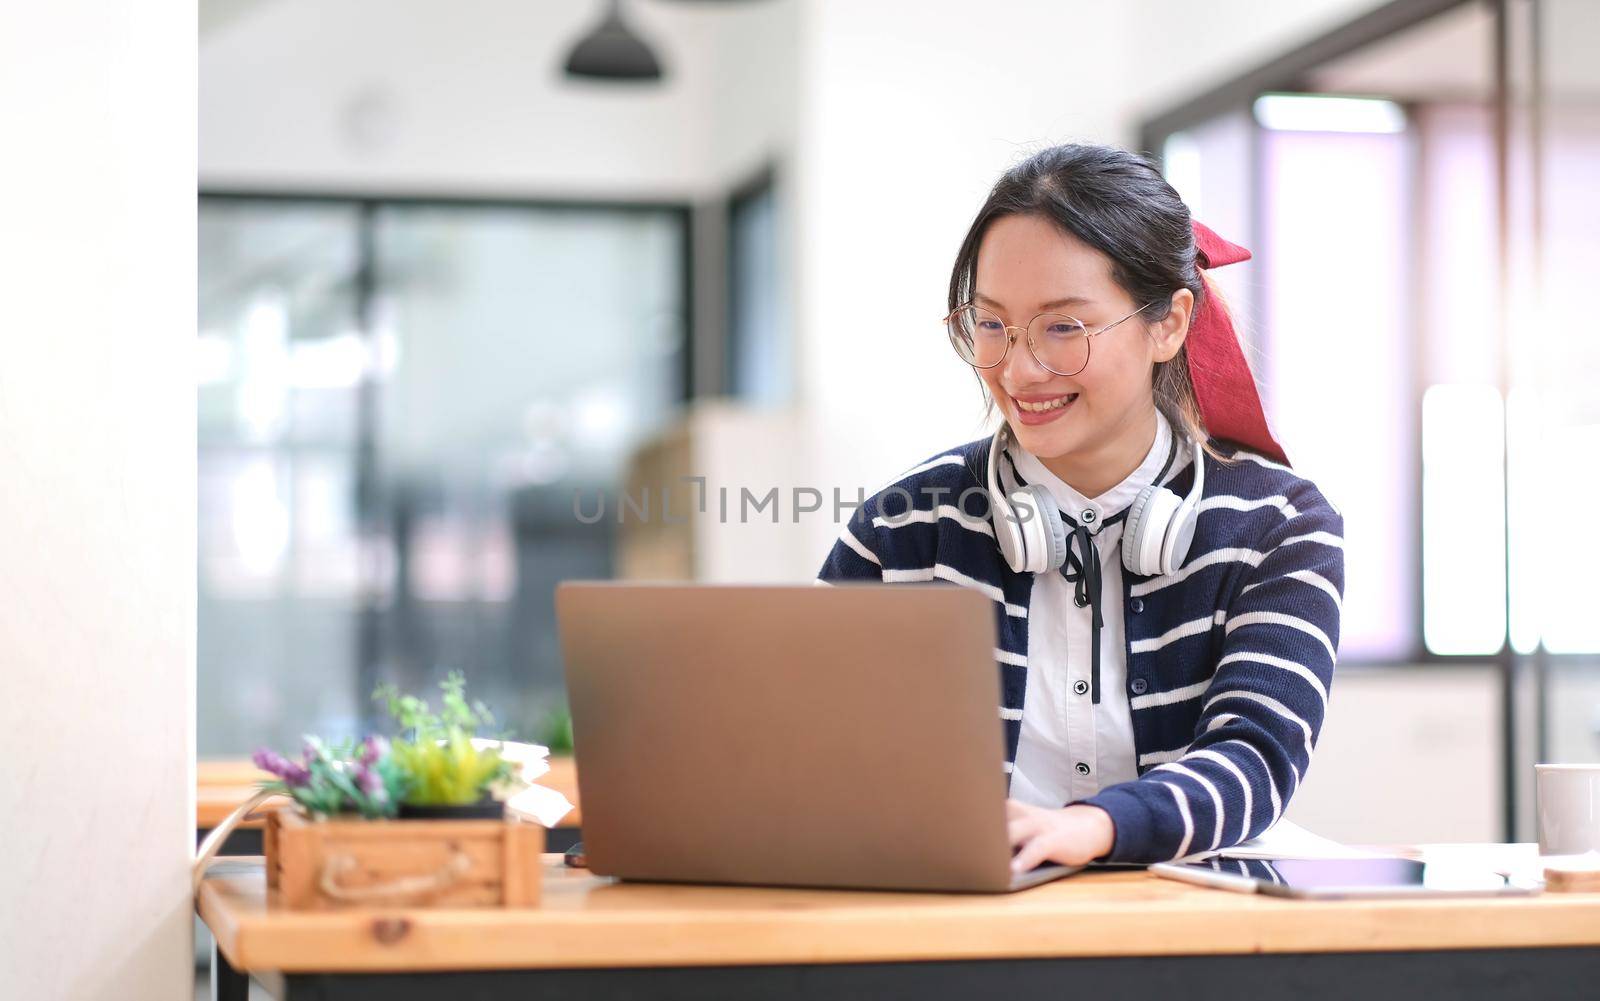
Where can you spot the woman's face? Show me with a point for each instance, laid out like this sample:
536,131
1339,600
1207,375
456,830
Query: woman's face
1027,266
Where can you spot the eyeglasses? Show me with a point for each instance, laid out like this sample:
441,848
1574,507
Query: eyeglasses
1059,343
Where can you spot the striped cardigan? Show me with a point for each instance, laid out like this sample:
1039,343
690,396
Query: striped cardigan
1229,657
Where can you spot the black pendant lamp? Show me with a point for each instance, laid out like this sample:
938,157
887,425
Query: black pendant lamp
613,52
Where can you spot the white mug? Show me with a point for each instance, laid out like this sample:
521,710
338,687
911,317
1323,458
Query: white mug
1569,808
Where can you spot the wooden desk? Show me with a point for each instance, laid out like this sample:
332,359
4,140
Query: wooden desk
1126,934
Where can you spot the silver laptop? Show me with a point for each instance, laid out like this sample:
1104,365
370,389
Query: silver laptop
798,736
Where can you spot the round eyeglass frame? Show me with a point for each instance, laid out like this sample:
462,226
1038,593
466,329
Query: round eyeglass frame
1027,333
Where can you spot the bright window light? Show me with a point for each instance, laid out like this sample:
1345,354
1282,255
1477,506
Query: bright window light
1527,430
260,519
336,362
1337,201
263,399
1319,113
1463,520
1570,623
1181,162
1552,594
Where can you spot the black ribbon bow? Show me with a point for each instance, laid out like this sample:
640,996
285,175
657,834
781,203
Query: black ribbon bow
1082,568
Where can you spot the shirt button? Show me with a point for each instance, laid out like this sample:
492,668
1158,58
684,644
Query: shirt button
1140,686
1136,605
1080,687
1083,769
1088,516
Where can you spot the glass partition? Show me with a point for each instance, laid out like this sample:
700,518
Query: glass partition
1556,602
399,402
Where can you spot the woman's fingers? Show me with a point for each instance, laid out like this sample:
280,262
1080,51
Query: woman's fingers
1022,829
1034,852
1073,835
1067,836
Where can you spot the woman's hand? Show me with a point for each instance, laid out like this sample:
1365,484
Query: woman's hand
1075,835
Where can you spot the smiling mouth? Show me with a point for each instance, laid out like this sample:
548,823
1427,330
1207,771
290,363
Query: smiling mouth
1045,406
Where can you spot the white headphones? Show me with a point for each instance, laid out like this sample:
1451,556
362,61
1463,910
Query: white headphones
1033,539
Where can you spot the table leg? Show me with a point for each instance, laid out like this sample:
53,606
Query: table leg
227,983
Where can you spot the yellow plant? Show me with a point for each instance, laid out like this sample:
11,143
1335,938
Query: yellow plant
435,750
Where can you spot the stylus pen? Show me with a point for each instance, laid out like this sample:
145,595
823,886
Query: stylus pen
1205,877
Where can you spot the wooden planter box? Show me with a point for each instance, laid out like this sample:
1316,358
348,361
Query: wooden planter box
330,864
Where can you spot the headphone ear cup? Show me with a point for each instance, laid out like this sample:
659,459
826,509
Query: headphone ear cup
1044,538
1053,534
1007,533
1132,532
1181,535
1144,540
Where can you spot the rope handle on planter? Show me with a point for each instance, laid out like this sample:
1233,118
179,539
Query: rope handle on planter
455,867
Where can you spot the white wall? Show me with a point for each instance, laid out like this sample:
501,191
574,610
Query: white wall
97,525
1407,755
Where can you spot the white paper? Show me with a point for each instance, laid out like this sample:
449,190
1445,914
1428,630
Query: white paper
532,760
537,803
1520,862
1286,840
540,804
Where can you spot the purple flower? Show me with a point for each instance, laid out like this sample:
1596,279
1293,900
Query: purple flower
371,783
373,748
271,761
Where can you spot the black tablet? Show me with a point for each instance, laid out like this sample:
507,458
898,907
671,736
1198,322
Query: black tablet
1334,879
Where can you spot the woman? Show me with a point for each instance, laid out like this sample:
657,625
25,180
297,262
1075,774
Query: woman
1167,590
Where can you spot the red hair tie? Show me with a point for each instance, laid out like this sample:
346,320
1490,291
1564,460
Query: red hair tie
1223,386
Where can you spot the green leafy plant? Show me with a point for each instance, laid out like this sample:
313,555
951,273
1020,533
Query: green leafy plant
555,731
446,766
348,777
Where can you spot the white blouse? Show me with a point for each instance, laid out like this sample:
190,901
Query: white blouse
1071,748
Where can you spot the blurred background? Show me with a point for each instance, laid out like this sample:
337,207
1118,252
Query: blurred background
472,272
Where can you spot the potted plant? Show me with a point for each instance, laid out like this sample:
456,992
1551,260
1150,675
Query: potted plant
450,772
416,820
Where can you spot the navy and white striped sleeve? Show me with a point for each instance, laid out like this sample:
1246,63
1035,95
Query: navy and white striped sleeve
1262,708
854,555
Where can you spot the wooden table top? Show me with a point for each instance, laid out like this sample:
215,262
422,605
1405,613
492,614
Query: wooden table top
589,921
222,784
